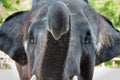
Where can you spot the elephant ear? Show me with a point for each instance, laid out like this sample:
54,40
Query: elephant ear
110,41
11,35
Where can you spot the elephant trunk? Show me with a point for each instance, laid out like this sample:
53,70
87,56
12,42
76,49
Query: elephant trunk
58,21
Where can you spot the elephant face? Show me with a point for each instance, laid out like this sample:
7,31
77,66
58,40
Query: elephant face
63,38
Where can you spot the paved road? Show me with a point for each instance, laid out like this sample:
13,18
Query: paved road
106,74
9,74
99,74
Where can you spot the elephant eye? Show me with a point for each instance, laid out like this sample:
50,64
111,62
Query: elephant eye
87,38
31,38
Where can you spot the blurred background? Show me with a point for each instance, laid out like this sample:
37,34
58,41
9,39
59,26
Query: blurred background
108,8
8,7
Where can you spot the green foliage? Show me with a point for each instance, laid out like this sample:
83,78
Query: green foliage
6,66
1,19
7,3
118,63
17,1
108,64
108,8
11,6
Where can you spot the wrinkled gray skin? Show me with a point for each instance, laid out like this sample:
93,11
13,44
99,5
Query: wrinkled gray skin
23,71
35,2
58,26
11,35
11,38
105,53
74,53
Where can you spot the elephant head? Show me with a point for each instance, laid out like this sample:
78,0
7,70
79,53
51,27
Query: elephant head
65,38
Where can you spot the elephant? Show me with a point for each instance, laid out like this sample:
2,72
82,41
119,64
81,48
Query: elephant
66,38
62,39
